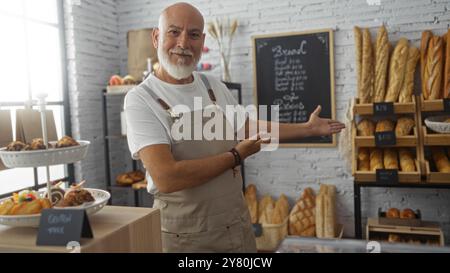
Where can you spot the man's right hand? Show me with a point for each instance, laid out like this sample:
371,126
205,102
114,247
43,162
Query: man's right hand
251,146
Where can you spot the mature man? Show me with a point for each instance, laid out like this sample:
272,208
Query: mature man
195,183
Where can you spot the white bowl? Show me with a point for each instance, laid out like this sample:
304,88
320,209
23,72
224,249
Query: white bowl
438,124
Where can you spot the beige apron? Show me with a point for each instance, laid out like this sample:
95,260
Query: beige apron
212,217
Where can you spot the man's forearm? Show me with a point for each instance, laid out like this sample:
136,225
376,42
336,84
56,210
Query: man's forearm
287,131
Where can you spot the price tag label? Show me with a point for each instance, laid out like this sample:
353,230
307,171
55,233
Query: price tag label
387,176
447,105
385,139
257,230
382,109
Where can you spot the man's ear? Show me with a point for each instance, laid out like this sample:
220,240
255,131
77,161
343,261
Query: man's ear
155,37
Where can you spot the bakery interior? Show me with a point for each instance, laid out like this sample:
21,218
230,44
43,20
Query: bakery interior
382,184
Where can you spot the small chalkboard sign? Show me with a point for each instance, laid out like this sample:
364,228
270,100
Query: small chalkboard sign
58,227
387,176
385,139
381,109
447,105
295,71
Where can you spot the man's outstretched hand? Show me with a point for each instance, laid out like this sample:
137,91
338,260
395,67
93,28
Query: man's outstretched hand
323,127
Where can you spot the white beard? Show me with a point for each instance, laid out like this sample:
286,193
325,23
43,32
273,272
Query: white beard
177,71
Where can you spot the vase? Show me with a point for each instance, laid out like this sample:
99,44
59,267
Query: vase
224,64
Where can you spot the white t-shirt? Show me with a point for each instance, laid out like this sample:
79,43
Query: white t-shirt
149,124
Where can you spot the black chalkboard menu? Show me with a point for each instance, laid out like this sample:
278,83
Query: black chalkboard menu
296,72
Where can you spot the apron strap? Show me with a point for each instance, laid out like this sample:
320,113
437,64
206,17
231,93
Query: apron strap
208,87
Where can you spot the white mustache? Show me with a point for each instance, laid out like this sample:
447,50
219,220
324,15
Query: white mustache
180,51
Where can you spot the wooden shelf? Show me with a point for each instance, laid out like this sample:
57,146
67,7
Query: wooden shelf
435,139
436,177
432,105
403,177
369,141
399,108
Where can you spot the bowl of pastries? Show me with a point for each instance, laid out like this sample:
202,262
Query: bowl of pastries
438,124
26,155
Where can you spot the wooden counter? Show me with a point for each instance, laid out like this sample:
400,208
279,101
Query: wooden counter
115,229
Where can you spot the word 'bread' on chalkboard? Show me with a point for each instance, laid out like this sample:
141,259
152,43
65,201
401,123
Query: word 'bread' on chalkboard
58,227
387,176
296,72
383,109
385,139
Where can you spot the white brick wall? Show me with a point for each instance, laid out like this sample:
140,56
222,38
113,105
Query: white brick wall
286,171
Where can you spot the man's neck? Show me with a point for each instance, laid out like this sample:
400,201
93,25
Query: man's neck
164,76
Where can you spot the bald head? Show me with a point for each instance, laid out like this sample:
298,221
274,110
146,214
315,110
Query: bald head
183,11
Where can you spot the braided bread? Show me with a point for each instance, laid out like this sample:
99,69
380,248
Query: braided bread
381,64
397,70
406,93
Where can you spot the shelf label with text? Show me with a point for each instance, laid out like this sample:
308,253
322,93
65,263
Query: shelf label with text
385,139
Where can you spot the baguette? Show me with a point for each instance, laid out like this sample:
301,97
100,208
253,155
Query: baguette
364,159
433,71
330,212
440,160
376,159
281,211
397,70
426,36
406,161
407,90
252,202
390,159
320,212
367,73
447,67
381,64
358,48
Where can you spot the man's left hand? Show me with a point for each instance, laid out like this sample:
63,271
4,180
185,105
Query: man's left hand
323,127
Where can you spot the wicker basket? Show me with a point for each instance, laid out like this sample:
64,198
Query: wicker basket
272,236
49,157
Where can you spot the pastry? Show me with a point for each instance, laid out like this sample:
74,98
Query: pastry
302,216
393,213
366,128
390,159
384,126
381,64
376,159
404,126
27,208
440,160
447,67
397,70
75,198
6,206
367,73
407,162
57,195
124,180
15,146
364,159
407,214
128,80
137,176
66,141
433,70
407,90
426,36
252,202
37,144
358,47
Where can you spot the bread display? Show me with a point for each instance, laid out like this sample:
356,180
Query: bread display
302,217
252,202
376,159
385,125
326,212
440,160
404,126
358,47
426,36
364,159
407,162
407,90
366,128
397,70
38,144
381,64
390,159
434,67
367,72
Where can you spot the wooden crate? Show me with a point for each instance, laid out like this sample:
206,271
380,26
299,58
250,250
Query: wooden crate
436,177
435,139
431,105
428,231
399,108
369,141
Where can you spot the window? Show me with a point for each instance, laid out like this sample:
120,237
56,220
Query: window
32,55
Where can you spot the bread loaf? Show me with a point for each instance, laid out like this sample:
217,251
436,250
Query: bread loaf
433,71
366,128
367,74
330,212
302,217
440,160
426,36
252,202
385,125
358,48
407,163
397,70
265,210
320,212
376,159
404,126
281,211
447,67
381,64
390,159
407,90
364,159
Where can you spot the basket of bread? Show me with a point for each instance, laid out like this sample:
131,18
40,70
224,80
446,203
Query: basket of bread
120,85
24,209
405,217
27,155
438,124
